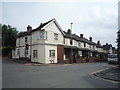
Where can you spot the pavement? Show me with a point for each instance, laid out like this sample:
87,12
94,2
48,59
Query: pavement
112,73
29,63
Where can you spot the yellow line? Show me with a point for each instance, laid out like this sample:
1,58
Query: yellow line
99,71
108,80
104,78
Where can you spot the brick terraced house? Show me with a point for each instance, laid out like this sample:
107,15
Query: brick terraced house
48,43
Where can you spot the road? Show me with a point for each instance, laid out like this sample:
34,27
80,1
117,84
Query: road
17,75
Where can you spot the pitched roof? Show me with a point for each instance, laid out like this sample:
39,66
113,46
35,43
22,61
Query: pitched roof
106,47
40,27
76,37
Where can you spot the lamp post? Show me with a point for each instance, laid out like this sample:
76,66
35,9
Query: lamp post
71,43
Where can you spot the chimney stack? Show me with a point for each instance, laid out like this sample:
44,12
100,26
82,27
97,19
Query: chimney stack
29,28
81,35
90,39
106,43
98,42
69,31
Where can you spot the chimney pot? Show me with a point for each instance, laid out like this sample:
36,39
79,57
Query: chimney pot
90,38
69,31
106,43
81,35
29,28
98,42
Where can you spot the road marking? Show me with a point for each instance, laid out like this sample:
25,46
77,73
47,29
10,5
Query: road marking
102,77
107,80
99,71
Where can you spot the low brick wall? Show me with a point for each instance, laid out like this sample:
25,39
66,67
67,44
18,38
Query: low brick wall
80,61
66,62
91,60
77,61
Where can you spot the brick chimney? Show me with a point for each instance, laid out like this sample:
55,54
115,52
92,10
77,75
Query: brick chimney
29,28
106,43
98,42
81,35
69,31
90,38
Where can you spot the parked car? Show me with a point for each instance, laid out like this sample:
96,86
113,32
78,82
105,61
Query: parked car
112,59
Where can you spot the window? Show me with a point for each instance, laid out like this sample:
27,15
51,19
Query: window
26,39
52,53
55,36
80,53
26,51
79,44
84,44
64,40
18,52
42,34
89,46
18,41
34,53
71,42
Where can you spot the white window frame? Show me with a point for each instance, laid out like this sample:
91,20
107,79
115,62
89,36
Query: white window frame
18,41
42,35
55,36
51,53
79,44
18,52
35,53
26,52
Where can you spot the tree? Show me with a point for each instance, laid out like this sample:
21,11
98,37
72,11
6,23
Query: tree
9,35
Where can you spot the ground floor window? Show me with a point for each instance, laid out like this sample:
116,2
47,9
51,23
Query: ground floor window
80,53
34,53
52,53
18,52
26,52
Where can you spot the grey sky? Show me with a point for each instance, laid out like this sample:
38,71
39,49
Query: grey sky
96,18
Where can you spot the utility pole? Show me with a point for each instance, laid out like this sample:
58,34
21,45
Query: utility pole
71,43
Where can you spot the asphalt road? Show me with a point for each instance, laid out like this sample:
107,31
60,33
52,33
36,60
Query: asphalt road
17,75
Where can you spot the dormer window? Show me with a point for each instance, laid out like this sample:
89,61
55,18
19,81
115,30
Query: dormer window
42,34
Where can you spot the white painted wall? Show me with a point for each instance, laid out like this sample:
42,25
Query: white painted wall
51,29
47,57
40,54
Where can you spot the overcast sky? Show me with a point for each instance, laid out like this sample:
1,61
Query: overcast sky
95,18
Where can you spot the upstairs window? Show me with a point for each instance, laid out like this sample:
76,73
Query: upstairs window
71,42
79,44
18,42
42,34
89,46
26,38
84,44
55,36
64,40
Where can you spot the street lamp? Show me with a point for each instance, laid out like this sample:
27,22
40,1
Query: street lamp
71,42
